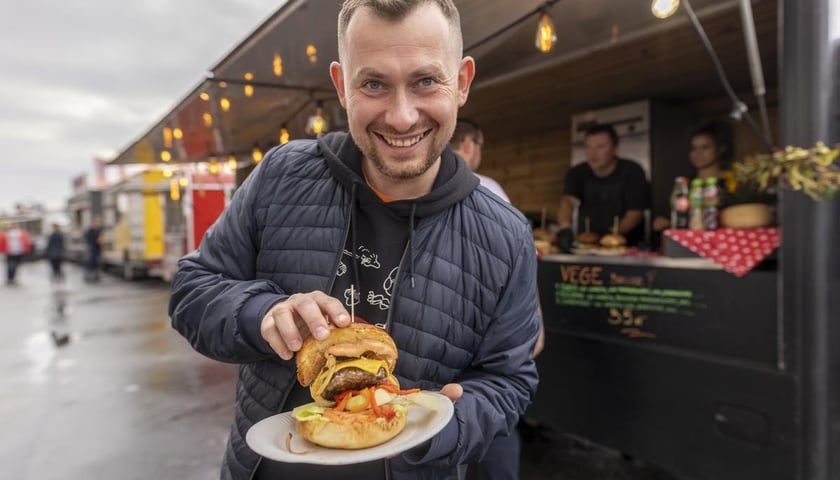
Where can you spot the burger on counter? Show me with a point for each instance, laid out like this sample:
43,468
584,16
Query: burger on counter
588,241
358,402
614,244
543,241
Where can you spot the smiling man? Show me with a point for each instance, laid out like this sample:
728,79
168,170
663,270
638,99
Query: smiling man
388,220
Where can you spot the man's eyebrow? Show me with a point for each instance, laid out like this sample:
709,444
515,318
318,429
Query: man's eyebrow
369,72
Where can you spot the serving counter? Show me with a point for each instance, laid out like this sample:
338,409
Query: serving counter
675,361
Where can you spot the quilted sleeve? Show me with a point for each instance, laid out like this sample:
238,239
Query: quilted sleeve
217,302
502,380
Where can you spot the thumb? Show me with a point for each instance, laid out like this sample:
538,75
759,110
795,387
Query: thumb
453,391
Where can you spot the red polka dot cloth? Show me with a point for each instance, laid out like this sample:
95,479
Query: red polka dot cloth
737,250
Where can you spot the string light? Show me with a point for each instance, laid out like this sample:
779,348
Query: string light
317,123
546,33
208,120
183,182
231,163
249,89
165,155
284,135
167,137
204,96
312,53
178,133
664,8
167,173
256,154
213,168
224,103
174,191
277,65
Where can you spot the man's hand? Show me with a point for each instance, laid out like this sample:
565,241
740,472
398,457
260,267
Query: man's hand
565,240
288,323
453,391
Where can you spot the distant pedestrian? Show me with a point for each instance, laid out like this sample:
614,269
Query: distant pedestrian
93,240
15,245
55,253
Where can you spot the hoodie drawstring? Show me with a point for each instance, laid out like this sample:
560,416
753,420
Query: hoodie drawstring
411,243
353,238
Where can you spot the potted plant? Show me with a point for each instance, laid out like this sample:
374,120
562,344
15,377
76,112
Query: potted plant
752,184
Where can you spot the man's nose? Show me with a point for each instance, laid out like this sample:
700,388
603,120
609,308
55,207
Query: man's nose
402,113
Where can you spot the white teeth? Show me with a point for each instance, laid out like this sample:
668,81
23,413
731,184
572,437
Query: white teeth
404,142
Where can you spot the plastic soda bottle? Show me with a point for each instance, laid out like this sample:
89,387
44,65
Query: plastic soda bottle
695,197
679,203
711,201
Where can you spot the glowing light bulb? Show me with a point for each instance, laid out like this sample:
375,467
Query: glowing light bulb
277,65
284,136
178,133
224,103
257,154
664,8
546,34
208,120
165,155
204,96
231,163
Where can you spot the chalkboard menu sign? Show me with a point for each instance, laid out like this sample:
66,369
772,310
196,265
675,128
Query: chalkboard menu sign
703,310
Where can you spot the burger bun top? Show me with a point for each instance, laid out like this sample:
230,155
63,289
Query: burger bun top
353,341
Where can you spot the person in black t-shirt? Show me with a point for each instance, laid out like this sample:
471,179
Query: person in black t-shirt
603,188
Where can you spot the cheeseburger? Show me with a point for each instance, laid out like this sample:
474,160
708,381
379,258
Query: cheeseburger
357,400
588,240
613,243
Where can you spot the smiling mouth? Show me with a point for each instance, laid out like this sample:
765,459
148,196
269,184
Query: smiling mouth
403,142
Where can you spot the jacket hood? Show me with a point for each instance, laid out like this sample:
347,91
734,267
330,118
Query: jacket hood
453,183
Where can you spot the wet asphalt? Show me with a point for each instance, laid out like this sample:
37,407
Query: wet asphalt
96,385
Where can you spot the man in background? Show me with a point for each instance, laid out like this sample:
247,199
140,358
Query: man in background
55,253
467,142
15,245
604,188
93,241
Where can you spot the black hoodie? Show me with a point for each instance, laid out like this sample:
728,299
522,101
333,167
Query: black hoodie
381,234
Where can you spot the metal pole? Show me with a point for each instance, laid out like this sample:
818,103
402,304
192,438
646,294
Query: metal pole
810,259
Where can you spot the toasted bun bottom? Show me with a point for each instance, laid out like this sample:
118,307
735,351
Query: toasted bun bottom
352,435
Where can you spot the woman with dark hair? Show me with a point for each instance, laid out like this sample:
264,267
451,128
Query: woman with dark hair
710,153
710,150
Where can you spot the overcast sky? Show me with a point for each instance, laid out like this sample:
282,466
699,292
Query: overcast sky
86,77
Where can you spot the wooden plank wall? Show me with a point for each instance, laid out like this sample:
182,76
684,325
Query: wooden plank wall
531,169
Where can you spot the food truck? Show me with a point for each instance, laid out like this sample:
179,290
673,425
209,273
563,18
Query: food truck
156,216
133,224
709,370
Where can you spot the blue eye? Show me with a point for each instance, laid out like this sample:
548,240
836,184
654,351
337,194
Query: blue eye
373,85
427,82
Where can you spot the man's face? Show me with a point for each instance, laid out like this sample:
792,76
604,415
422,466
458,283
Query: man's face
402,84
600,151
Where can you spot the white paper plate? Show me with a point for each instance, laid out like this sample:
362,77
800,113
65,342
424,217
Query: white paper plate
268,437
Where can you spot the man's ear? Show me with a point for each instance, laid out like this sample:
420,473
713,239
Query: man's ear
337,77
465,77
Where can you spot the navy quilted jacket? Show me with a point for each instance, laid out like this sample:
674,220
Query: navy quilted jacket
470,316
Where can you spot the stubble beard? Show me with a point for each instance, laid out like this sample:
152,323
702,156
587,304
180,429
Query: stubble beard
403,174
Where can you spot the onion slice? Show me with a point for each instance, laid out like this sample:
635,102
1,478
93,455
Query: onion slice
289,446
